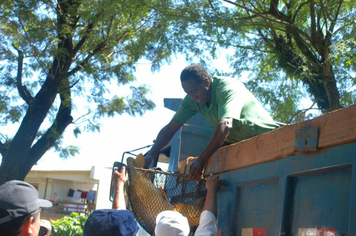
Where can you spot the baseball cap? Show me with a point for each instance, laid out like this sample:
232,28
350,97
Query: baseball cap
19,198
110,222
171,223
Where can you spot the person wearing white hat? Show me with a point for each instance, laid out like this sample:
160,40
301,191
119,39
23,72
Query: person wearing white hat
46,228
20,209
171,223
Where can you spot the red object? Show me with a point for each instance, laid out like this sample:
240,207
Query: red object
325,232
84,195
259,232
254,232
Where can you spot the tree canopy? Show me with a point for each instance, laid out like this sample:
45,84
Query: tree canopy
293,49
53,51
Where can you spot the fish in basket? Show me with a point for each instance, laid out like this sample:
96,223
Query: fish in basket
152,191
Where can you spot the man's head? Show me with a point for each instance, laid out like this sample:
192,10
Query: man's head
196,82
171,223
111,222
20,208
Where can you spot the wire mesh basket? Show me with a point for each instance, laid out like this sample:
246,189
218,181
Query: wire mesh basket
151,192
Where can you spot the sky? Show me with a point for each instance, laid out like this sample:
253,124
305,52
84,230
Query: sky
123,132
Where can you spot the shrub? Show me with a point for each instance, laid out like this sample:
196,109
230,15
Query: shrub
69,225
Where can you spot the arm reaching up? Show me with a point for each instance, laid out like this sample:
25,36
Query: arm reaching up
212,185
208,218
119,198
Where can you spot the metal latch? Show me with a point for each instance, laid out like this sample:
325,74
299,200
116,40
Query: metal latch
306,140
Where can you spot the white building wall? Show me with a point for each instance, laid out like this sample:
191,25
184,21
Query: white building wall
103,174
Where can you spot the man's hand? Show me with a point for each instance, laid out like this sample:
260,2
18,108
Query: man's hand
120,177
220,134
148,161
196,170
213,183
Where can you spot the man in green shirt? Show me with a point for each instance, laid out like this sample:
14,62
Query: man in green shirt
232,110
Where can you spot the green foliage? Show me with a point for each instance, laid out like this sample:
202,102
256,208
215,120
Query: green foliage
69,225
306,49
57,61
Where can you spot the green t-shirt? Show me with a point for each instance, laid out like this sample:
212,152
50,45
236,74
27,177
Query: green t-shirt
230,99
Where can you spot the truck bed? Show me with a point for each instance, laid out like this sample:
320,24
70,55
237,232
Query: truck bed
299,179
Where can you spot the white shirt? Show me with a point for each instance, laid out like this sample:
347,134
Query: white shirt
207,225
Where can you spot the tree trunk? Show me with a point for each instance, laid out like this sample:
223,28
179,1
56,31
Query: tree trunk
17,163
22,154
332,91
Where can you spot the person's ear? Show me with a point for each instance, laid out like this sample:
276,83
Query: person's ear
27,226
33,226
207,82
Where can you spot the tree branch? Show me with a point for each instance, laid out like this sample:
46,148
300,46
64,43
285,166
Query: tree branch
313,34
304,48
84,38
263,16
63,119
273,8
231,45
71,86
333,23
298,9
81,65
303,111
23,91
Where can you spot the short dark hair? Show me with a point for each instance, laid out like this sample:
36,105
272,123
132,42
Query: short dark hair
12,228
194,72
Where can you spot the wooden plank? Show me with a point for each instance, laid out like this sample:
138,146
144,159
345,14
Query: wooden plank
335,128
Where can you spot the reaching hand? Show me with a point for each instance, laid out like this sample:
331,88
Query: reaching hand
120,177
119,198
213,183
148,161
196,170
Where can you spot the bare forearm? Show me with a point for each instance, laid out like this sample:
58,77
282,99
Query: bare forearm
212,184
220,134
119,198
210,202
163,137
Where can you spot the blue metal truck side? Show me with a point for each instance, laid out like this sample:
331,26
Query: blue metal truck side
298,180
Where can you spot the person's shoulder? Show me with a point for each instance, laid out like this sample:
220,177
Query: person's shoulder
227,83
226,79
187,101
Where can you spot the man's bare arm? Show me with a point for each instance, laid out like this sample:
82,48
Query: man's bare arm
212,185
119,198
163,137
220,134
